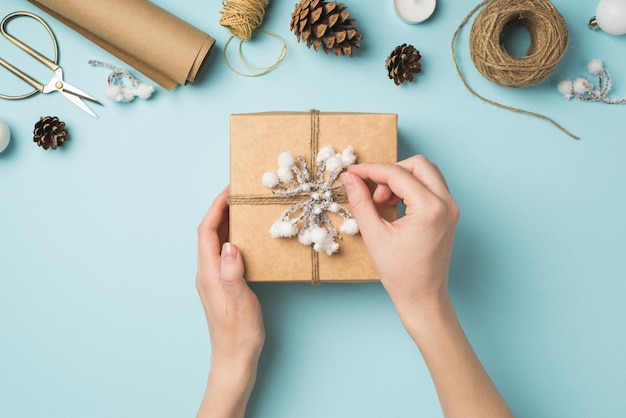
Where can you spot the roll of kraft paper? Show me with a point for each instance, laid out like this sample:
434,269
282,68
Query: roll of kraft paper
165,48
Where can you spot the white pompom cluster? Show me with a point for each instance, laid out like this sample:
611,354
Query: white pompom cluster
121,93
309,220
583,89
118,90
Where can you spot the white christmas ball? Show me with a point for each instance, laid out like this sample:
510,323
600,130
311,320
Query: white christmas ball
5,135
611,16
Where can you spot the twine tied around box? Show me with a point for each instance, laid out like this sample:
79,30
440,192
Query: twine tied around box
548,44
301,199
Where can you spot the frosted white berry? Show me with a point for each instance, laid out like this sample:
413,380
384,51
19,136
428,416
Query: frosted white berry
270,180
324,154
283,229
595,66
286,160
350,226
285,174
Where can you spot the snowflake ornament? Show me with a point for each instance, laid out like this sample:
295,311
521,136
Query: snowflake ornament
309,219
583,89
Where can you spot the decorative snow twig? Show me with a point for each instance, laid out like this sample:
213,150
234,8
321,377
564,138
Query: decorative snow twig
117,90
583,89
312,225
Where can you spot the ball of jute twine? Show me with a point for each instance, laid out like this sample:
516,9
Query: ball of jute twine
242,18
548,43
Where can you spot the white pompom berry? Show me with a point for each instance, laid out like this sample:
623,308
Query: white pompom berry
305,237
113,92
566,88
350,226
324,154
144,91
285,174
333,164
595,66
283,229
347,157
270,180
318,235
286,160
581,85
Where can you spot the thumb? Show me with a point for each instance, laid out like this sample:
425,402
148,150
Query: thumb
231,271
362,205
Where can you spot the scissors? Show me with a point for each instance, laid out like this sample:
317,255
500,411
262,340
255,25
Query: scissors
56,83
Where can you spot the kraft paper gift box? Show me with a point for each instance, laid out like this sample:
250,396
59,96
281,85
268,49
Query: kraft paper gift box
257,139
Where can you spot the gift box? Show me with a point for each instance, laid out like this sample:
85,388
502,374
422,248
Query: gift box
258,142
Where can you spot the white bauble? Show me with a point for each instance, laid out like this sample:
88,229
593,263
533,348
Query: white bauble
5,135
611,16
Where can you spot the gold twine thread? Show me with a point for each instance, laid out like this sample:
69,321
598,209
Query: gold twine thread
242,18
250,199
261,70
254,199
548,43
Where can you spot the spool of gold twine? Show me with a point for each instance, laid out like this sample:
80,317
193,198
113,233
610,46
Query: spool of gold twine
242,18
548,43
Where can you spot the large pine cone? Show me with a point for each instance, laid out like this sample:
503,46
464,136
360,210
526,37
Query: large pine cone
327,25
50,132
403,63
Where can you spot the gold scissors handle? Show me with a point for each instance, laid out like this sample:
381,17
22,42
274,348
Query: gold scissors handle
39,57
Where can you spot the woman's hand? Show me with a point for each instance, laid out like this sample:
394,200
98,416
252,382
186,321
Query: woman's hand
411,254
233,314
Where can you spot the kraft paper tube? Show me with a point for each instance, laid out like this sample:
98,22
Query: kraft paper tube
165,48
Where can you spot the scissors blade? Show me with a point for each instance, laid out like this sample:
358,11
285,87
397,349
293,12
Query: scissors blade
68,91
78,102
68,88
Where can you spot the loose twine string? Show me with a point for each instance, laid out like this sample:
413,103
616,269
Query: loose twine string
242,18
548,43
251,199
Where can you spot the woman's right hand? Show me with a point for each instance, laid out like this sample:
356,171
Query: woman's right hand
411,254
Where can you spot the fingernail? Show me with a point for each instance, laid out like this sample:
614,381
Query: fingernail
347,179
229,251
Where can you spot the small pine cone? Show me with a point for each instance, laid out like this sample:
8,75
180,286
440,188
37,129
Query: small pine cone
403,63
50,132
326,25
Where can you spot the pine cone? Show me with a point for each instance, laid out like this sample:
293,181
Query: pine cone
327,25
50,132
403,63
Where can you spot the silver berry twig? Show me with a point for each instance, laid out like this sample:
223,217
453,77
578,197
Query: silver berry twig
117,89
309,219
583,89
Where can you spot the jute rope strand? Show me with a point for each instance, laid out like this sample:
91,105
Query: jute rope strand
315,135
549,38
259,200
261,70
242,18
251,199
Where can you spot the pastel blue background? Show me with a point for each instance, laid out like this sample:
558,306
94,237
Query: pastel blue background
99,315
